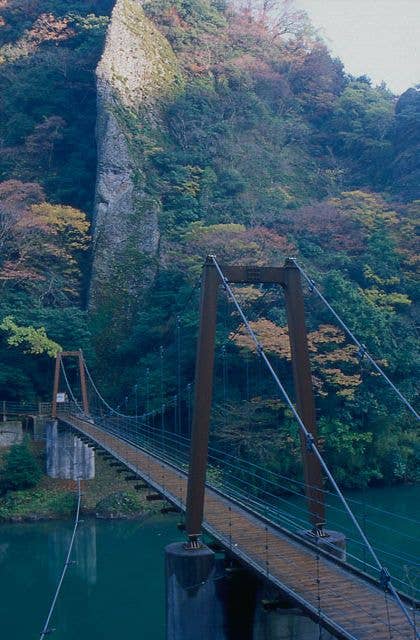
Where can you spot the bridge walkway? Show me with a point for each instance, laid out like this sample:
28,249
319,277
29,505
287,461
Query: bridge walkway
346,602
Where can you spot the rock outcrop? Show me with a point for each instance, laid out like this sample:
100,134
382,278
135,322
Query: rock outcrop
136,72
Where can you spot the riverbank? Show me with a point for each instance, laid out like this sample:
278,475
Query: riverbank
108,496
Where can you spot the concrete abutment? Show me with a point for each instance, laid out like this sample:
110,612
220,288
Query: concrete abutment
68,458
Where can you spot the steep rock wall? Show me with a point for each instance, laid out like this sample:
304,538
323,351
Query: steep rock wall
136,72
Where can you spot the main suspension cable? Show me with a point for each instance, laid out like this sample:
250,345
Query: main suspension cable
73,397
362,348
384,575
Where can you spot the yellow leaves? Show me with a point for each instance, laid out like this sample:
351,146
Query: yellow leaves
367,209
34,341
386,301
247,295
60,219
191,185
345,354
346,383
373,277
39,241
326,334
231,243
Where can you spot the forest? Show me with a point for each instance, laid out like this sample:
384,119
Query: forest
267,149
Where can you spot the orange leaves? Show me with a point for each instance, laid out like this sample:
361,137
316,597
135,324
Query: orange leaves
333,361
49,28
275,339
346,383
232,244
326,334
46,28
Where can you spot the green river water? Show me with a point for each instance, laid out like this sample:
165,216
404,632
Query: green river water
115,589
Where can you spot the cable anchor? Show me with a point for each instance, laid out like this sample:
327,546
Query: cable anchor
310,442
361,352
193,543
318,530
385,579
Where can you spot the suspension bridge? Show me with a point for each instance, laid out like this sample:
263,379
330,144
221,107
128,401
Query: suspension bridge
276,525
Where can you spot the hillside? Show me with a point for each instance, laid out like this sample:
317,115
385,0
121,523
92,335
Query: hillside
218,130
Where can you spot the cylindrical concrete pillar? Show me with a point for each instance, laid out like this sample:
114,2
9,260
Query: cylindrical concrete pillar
194,611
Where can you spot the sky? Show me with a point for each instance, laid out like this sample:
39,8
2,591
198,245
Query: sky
377,38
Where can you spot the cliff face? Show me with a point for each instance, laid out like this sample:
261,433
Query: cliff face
136,71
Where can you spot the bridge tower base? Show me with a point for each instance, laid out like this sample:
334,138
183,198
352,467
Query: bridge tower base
333,542
194,609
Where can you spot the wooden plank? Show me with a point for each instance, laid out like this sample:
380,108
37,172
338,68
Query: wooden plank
352,604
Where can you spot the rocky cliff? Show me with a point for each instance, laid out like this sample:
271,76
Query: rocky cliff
137,70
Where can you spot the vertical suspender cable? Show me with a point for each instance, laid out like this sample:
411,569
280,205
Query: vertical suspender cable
384,575
362,349
178,373
161,383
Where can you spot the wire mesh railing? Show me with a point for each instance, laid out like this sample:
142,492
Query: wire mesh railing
279,500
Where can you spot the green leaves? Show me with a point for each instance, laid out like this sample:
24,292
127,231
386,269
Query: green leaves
21,469
34,341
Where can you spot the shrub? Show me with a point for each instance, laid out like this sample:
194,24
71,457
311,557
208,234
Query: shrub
21,469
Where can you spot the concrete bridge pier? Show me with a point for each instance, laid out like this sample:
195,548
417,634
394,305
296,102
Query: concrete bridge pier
68,457
39,427
277,619
194,604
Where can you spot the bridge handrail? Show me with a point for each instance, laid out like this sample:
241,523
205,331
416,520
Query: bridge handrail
312,446
8,407
150,433
242,498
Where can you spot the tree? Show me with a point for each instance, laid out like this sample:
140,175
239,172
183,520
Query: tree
406,139
21,469
41,243
35,341
360,129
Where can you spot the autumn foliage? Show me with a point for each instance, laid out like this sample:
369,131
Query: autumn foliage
39,242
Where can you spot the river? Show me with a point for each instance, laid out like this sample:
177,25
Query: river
115,589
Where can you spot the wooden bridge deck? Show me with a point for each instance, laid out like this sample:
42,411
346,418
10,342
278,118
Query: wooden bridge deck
348,605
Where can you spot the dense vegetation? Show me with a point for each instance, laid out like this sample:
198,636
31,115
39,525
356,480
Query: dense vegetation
21,469
48,54
26,494
268,150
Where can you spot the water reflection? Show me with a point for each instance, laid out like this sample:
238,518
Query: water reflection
84,555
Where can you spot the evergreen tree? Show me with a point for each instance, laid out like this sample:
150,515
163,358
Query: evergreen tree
21,470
